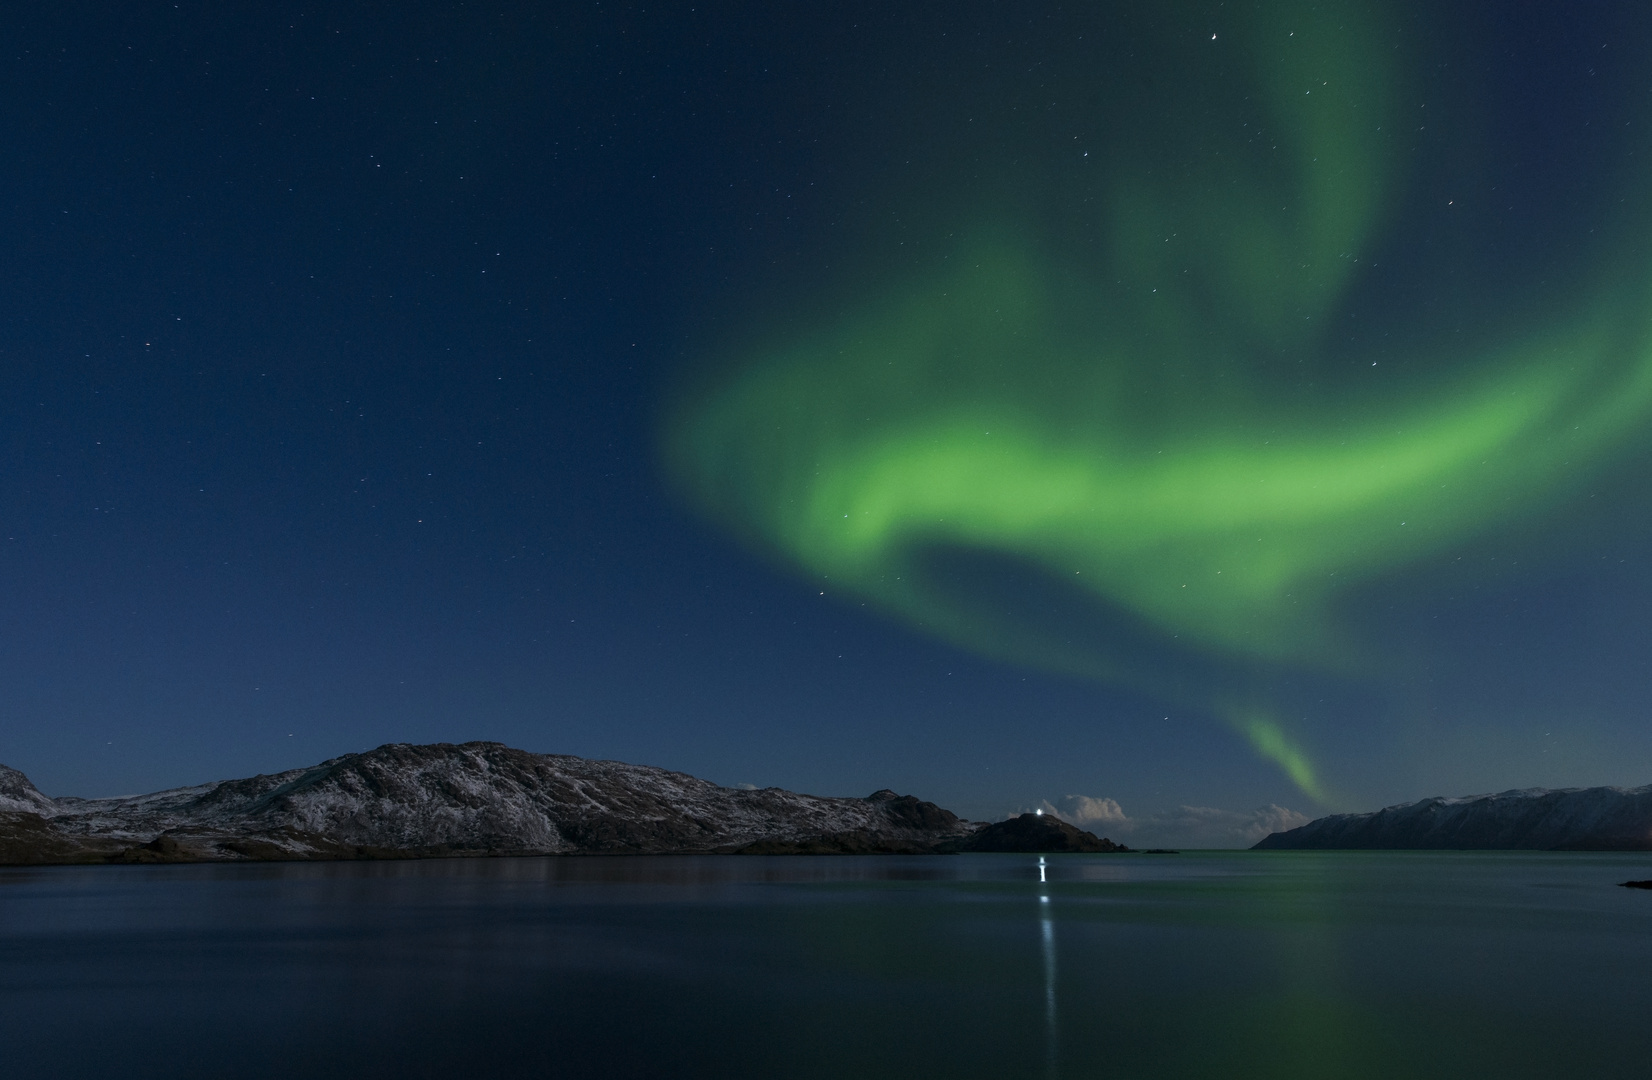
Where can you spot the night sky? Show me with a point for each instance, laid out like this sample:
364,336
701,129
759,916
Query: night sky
623,381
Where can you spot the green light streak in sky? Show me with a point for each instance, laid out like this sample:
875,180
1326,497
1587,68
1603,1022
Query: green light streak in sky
1231,532
1271,742
1119,427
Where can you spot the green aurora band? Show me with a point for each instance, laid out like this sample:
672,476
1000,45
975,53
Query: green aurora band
1112,430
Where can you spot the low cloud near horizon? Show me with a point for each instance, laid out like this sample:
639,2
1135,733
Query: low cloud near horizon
1183,827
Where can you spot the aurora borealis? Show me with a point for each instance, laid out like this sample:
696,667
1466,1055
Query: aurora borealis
1154,457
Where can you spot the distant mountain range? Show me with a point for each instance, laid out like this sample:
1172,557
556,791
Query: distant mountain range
478,798
1569,819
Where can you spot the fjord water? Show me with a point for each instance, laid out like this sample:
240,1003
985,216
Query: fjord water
1230,964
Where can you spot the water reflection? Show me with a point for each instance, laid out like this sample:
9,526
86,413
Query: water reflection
1046,927
1287,965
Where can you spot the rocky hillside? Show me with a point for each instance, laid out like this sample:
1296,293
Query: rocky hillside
1591,819
476,798
17,795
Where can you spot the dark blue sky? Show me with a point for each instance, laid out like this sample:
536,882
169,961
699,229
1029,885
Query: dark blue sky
334,342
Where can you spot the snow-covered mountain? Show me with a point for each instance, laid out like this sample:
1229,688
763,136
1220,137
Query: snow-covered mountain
1594,819
476,798
19,796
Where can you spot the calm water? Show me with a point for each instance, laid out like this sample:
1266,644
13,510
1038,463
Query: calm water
1199,965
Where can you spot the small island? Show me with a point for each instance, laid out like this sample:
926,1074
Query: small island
1034,832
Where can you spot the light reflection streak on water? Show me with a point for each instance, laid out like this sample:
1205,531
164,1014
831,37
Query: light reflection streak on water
1046,925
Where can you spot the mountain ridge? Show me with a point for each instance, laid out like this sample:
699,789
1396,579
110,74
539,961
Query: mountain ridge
1544,819
403,800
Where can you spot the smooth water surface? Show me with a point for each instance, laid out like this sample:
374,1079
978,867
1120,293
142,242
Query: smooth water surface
1217,964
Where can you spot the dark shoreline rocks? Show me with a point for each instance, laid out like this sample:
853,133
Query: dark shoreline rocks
849,843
